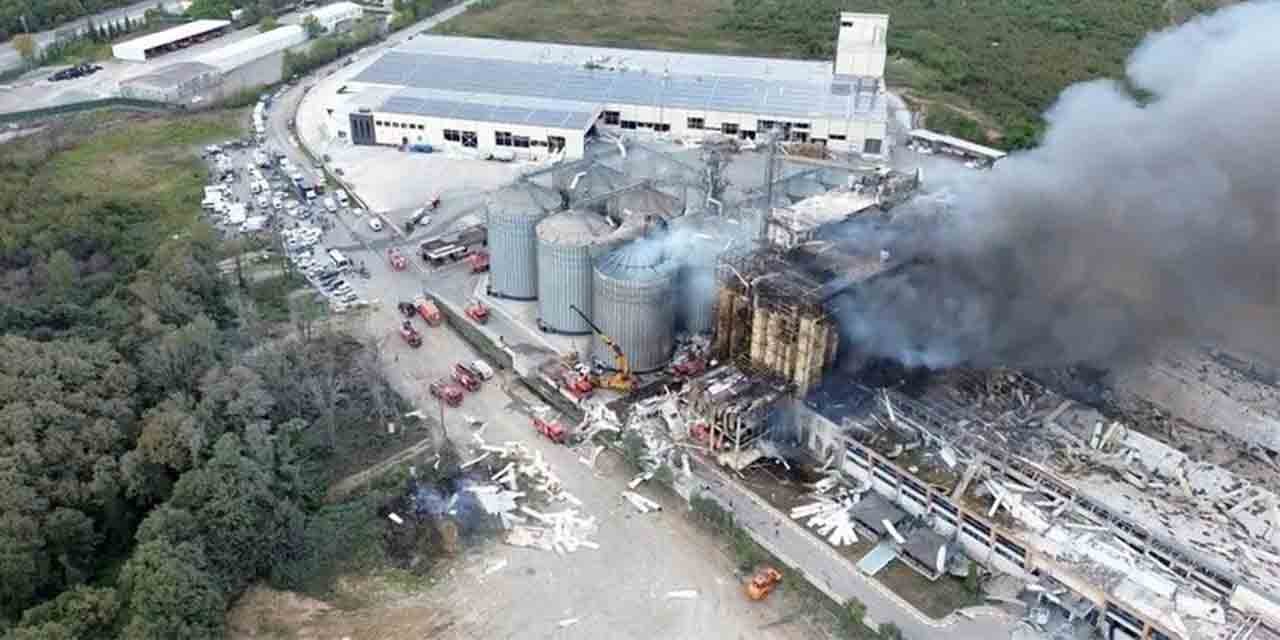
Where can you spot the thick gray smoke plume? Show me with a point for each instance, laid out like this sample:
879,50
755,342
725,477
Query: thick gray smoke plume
1136,222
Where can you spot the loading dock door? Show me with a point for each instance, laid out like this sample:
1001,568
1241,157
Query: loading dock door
362,128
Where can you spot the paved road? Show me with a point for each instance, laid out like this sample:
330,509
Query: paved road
9,58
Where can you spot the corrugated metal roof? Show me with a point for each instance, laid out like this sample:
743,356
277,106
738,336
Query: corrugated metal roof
573,227
784,91
171,76
483,107
263,44
175,34
644,259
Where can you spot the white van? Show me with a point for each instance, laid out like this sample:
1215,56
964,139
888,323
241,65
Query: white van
342,197
340,261
375,223
330,205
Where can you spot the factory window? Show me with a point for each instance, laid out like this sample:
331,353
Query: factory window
629,124
871,145
1156,635
800,125
502,138
661,127
846,24
695,123
452,135
612,117
919,488
943,504
520,141
469,139
837,136
729,128
970,521
747,135
555,143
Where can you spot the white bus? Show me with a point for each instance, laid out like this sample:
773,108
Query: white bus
340,261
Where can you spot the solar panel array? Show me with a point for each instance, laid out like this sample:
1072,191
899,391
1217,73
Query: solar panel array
555,114
834,98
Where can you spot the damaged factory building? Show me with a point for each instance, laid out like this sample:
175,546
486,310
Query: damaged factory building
1092,526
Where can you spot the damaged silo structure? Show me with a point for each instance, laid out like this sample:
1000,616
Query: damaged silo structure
568,244
634,303
512,218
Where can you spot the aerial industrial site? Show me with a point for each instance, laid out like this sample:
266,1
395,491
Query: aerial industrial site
905,365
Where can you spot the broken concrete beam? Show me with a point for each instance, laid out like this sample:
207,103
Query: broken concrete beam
1053,415
636,481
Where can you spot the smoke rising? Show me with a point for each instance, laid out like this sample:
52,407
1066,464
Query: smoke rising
1135,223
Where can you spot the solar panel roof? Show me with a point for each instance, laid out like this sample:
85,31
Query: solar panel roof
539,112
793,94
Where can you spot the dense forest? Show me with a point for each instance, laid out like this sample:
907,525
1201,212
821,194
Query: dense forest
48,14
162,446
981,69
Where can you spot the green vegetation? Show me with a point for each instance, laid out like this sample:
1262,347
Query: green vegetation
160,450
984,69
94,43
267,23
48,14
408,12
329,48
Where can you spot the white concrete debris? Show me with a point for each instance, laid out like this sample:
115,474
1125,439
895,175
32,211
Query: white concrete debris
682,594
495,567
567,622
561,532
641,503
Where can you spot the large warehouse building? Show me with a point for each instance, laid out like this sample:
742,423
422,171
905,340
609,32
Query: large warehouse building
181,36
534,98
337,17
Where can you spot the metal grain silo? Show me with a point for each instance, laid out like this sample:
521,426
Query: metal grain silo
568,243
634,303
512,219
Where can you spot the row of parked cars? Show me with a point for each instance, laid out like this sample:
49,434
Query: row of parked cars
78,71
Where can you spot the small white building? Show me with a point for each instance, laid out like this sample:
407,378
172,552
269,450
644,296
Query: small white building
337,16
531,97
154,44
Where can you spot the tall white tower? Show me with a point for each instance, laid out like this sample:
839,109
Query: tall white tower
860,46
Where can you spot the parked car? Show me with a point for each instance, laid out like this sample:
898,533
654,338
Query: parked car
375,223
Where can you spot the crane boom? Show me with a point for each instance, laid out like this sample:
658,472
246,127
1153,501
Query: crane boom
622,379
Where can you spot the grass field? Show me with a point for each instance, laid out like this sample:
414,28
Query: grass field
983,69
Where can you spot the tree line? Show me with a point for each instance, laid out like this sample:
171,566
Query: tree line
161,446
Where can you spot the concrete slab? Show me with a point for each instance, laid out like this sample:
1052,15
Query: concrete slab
878,558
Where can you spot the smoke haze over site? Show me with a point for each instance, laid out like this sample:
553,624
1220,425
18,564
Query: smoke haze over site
1135,223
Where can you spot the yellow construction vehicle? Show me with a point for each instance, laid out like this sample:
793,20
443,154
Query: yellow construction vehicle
621,379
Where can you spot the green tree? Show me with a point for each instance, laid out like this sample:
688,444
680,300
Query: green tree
268,23
25,45
81,612
171,436
61,271
170,593
313,27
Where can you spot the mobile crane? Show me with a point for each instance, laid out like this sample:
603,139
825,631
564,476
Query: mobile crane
620,380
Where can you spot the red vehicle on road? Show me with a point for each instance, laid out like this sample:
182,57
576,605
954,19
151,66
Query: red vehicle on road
447,391
479,261
478,311
398,261
553,430
427,309
466,378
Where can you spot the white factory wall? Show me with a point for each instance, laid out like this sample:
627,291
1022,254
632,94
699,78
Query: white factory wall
855,132
332,16
861,44
432,133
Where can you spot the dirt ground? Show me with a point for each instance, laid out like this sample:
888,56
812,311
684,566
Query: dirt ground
619,591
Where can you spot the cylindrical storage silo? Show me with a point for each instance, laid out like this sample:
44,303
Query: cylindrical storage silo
512,220
568,243
634,303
